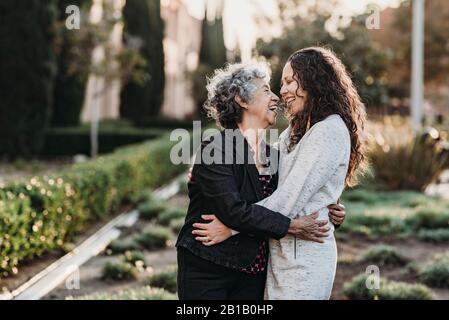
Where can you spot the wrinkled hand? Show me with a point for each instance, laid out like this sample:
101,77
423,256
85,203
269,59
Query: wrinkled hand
337,213
309,228
211,233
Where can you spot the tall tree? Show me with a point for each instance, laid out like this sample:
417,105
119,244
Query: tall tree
27,71
70,82
212,53
144,28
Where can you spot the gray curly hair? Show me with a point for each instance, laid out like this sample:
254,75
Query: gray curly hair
229,82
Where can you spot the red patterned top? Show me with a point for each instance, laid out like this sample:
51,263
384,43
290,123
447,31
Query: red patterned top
259,265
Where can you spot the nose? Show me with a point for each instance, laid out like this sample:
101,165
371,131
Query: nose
283,90
274,97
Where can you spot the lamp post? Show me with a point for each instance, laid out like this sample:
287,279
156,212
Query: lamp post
417,85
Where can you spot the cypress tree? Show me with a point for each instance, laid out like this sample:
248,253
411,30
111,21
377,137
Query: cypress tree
143,21
70,84
27,71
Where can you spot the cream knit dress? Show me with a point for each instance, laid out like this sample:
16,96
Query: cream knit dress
311,177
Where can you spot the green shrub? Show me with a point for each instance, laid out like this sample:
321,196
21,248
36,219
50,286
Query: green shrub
42,213
145,293
119,271
27,73
383,256
388,290
372,226
76,140
436,272
428,219
411,164
136,258
434,235
151,209
171,214
176,225
154,237
166,279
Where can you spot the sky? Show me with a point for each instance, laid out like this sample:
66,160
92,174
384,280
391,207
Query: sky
242,12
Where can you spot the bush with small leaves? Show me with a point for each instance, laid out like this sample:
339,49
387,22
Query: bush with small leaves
154,237
435,273
383,256
434,235
123,245
358,289
145,293
177,224
171,214
151,209
136,258
166,279
428,219
119,271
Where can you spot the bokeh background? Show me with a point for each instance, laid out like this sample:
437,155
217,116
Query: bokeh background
89,96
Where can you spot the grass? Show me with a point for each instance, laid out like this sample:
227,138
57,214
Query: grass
166,279
144,293
435,273
388,290
435,236
383,256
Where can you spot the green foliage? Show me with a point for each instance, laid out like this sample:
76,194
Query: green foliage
176,225
42,213
388,290
27,72
143,25
151,209
412,164
123,245
76,140
119,271
154,237
70,85
435,235
136,258
166,279
365,61
383,256
435,273
168,215
145,293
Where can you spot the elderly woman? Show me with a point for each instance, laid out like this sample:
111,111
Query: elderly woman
240,99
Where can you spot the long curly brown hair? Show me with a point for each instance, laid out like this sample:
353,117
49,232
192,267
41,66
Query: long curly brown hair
330,90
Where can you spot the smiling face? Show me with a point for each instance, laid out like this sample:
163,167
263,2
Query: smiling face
293,95
262,109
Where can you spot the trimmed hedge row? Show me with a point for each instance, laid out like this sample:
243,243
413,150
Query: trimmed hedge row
41,214
76,140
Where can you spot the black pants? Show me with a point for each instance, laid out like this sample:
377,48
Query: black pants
199,279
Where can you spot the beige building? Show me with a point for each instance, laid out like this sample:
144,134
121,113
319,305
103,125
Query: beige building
181,44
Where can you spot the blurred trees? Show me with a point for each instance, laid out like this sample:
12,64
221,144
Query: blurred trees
144,31
27,72
70,84
304,26
212,54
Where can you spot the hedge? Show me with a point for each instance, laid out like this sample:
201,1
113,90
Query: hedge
44,212
76,140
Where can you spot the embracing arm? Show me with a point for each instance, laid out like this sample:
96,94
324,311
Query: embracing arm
218,185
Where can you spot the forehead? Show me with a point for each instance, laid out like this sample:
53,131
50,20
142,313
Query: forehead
288,70
260,83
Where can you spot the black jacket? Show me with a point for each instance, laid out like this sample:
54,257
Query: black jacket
228,191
